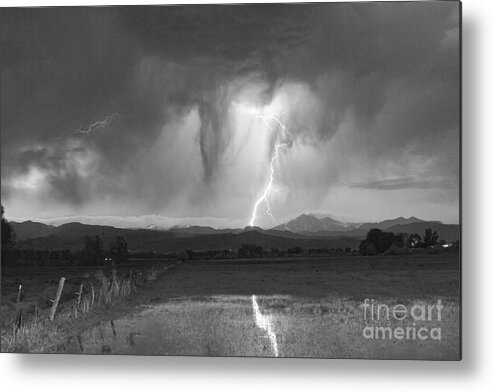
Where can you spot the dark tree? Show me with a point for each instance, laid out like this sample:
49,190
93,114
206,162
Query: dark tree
367,248
295,250
250,250
400,240
119,250
275,252
380,240
386,241
413,240
93,250
8,236
373,237
430,238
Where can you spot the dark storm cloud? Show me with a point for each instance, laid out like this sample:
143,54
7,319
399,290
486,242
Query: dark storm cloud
226,42
368,46
59,67
393,67
233,33
67,67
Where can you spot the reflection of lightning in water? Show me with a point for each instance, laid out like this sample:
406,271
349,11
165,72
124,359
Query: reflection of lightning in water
264,323
263,197
94,127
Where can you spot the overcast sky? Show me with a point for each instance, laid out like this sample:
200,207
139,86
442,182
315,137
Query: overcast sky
165,115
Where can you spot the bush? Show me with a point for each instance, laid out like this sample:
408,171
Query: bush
250,250
367,248
395,250
381,240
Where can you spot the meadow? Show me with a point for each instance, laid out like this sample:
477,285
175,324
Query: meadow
89,294
313,305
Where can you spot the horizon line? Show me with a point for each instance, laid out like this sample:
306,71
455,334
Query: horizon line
62,220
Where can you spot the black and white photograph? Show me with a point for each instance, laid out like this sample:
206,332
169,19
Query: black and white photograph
232,180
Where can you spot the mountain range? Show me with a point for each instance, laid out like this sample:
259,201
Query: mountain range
71,236
311,225
306,230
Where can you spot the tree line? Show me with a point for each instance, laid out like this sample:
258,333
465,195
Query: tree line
8,236
378,241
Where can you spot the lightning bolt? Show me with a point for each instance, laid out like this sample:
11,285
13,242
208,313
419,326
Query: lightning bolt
263,197
98,125
94,127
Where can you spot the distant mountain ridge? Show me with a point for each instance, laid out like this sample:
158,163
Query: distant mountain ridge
30,229
305,230
71,236
311,223
386,224
308,222
305,225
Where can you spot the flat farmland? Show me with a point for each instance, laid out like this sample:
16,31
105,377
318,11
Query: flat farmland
407,277
312,307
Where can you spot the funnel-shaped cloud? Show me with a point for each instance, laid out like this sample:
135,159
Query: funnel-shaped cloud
370,92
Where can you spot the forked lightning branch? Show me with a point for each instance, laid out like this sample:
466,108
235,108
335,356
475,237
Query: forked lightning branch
263,197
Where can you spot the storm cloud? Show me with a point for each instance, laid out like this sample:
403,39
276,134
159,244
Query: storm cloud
369,92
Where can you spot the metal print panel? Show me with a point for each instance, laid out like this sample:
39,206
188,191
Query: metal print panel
268,180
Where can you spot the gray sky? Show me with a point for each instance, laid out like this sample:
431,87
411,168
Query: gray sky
182,103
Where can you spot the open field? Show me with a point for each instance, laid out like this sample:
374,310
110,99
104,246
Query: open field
359,277
227,326
89,295
314,308
39,284
302,307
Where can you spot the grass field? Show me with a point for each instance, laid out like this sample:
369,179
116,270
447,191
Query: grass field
313,306
89,295
406,277
39,284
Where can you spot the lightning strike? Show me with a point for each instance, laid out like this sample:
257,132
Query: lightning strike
94,127
98,125
263,197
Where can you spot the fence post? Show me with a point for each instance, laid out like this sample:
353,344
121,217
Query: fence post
79,294
18,312
18,300
92,297
57,299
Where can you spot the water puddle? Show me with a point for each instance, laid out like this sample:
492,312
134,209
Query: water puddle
264,323
248,325
208,326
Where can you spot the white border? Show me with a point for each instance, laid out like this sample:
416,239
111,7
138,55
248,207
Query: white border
80,373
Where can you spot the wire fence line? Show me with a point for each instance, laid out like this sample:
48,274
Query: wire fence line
25,329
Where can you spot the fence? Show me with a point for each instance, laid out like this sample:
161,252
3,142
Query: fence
45,325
